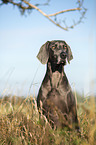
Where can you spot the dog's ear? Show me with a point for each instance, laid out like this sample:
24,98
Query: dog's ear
70,56
43,54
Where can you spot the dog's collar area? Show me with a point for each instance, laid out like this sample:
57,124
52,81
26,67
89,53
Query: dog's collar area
57,67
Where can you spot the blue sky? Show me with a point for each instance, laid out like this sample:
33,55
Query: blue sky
22,36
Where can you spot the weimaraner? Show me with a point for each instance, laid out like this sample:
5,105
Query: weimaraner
58,101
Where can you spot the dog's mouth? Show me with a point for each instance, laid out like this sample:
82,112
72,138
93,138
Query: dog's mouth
61,62
57,66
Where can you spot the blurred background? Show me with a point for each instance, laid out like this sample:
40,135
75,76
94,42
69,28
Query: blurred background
21,37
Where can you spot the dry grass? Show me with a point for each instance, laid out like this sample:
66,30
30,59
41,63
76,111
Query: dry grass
20,124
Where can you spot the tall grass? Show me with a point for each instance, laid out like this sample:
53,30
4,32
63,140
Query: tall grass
20,124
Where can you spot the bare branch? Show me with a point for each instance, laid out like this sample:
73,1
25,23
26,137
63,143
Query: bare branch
26,5
60,12
44,14
20,5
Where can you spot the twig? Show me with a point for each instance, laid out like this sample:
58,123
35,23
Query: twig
44,14
60,12
25,5
20,5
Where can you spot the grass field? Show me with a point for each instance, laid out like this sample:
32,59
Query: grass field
20,123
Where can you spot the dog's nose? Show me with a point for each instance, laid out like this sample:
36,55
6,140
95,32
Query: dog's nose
63,55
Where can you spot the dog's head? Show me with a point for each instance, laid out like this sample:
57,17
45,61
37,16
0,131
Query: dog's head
56,51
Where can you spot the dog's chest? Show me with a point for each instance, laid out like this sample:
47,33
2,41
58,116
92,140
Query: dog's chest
55,80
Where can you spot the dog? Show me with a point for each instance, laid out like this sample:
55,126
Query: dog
58,101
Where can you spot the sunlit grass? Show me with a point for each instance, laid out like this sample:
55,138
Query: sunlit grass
20,123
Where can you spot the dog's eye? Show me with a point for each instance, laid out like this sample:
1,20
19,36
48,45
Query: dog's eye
53,47
65,47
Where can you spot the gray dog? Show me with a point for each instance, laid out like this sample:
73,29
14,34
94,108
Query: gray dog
58,101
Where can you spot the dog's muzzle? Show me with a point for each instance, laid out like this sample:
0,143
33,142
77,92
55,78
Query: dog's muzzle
63,55
61,59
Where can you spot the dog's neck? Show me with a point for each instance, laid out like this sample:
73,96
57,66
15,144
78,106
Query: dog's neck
52,68
55,73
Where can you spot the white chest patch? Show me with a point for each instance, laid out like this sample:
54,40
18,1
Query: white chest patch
55,79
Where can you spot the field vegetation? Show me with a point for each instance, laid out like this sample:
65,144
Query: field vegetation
20,123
